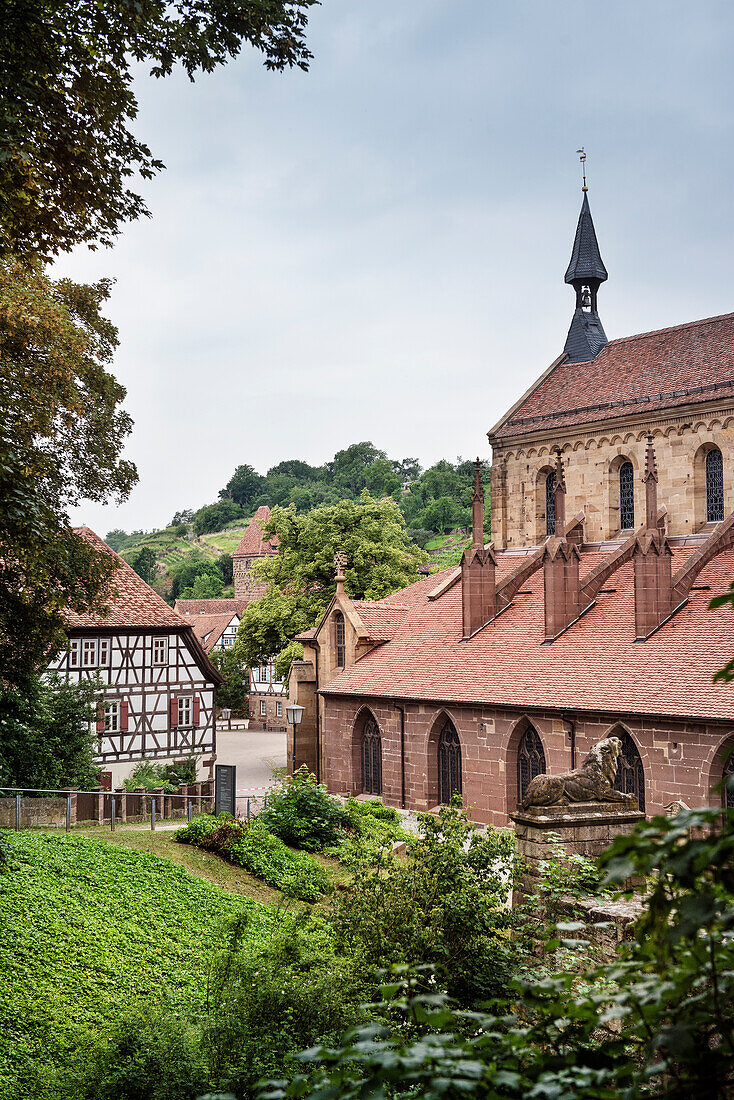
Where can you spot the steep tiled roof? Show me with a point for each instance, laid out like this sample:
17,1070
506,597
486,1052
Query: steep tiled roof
252,541
633,376
586,262
596,665
132,603
210,607
381,622
209,628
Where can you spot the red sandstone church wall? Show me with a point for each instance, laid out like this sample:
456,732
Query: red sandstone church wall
681,761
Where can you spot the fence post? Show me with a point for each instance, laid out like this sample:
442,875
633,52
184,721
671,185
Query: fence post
113,814
124,808
17,811
248,809
189,809
152,812
68,813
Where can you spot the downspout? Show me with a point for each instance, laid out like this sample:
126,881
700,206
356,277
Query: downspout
401,709
318,719
572,740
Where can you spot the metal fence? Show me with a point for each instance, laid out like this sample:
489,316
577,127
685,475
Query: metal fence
43,807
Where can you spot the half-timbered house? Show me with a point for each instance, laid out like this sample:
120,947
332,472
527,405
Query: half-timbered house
158,684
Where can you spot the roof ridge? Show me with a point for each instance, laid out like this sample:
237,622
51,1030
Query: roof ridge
668,328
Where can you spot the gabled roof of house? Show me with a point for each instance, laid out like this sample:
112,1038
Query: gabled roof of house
252,543
209,628
595,665
211,607
634,376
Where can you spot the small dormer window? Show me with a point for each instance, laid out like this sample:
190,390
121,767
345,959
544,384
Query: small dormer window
339,639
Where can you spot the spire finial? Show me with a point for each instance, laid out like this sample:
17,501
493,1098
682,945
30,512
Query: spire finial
560,476
651,466
559,496
650,478
477,506
582,157
340,564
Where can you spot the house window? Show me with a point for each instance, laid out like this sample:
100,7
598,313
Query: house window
112,718
630,777
74,652
340,642
227,641
714,486
550,503
530,760
371,758
160,651
89,653
278,710
626,496
185,711
263,708
449,763
104,652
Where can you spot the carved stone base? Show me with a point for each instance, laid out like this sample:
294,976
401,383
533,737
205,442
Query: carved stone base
584,828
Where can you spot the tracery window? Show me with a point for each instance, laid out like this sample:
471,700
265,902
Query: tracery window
714,486
550,503
728,792
530,760
339,639
449,763
371,758
630,777
626,496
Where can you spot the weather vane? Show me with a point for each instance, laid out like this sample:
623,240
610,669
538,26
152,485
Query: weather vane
582,157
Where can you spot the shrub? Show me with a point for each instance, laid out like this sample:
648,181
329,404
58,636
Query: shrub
167,777
251,846
370,825
303,814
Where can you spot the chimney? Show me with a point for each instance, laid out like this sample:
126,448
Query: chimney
560,567
652,559
478,594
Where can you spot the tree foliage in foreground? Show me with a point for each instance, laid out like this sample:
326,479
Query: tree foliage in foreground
301,576
67,151
62,430
657,1022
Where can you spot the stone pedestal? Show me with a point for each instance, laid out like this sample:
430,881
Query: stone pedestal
584,828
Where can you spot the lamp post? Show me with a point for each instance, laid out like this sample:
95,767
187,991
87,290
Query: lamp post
294,714
227,716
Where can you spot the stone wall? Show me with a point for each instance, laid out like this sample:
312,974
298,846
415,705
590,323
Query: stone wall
592,457
246,587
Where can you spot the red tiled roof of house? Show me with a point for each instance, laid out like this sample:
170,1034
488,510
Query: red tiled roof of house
596,665
687,364
382,621
191,608
209,628
132,602
252,542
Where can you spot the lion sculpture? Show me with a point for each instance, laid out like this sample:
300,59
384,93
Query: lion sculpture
592,782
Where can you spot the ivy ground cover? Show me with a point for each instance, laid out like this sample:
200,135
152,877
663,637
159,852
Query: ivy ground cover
87,931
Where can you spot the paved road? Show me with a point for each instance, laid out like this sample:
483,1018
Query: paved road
254,752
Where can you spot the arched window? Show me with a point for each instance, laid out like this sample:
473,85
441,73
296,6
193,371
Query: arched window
530,760
371,758
626,496
630,777
727,794
339,639
550,503
714,486
449,763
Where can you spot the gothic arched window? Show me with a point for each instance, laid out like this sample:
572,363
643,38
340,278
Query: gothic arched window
630,777
339,639
371,758
449,763
626,496
530,760
727,773
550,503
714,486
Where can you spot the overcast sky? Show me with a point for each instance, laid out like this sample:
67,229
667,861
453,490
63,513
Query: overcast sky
375,249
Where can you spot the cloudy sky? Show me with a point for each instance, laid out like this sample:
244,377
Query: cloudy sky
375,249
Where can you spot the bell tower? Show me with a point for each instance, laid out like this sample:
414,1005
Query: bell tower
586,272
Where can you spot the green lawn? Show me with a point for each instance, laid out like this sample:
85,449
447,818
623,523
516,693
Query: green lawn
88,930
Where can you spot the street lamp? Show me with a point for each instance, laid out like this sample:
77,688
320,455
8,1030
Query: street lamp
294,714
227,716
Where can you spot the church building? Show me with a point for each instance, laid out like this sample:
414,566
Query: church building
588,615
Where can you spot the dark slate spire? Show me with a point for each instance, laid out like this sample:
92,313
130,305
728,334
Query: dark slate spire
586,272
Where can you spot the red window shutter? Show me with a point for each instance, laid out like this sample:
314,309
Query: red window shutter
174,714
100,718
124,716
197,709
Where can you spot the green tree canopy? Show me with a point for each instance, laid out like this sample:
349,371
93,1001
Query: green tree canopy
66,148
243,486
144,563
300,577
62,431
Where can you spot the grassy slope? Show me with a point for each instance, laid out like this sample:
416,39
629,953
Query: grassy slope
88,930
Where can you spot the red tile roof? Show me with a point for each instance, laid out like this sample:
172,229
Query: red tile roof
252,543
684,365
209,628
132,603
191,608
596,665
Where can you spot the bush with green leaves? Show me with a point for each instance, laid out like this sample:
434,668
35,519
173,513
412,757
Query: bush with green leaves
369,826
445,904
167,777
250,845
303,814
655,1022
